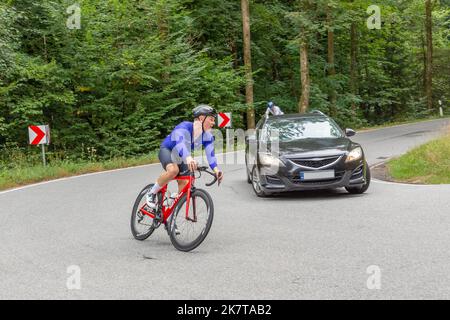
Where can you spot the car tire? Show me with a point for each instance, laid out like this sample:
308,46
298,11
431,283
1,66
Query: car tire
255,181
249,174
364,187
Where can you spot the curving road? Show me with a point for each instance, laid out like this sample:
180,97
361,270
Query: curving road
307,245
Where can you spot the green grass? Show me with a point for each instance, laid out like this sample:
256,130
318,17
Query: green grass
427,164
22,173
19,176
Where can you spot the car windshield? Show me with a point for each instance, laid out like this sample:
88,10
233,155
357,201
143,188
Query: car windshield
302,128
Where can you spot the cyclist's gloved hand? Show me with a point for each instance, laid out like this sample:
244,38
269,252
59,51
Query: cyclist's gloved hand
219,175
191,163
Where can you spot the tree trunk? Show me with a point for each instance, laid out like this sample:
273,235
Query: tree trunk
304,72
275,72
429,60
424,73
163,31
353,63
234,53
331,65
367,91
45,50
248,64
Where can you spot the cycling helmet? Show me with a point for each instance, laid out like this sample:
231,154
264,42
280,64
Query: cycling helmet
270,104
204,110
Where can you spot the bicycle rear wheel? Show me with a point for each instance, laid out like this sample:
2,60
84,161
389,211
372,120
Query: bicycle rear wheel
188,233
142,225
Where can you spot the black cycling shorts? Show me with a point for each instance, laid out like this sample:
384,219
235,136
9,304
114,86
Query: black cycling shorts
166,156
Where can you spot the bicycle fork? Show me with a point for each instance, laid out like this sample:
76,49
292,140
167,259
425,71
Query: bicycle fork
194,207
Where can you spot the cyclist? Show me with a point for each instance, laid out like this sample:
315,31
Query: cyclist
272,108
175,150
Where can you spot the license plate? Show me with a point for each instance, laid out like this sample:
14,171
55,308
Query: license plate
317,175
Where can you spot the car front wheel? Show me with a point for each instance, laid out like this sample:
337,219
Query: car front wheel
256,183
249,177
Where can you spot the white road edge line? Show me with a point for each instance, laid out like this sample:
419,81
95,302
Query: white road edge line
91,174
408,184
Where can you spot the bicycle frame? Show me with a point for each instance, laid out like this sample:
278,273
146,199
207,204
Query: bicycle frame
169,210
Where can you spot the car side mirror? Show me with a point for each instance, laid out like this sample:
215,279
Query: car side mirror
350,132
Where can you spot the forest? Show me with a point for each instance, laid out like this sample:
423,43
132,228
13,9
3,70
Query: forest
116,76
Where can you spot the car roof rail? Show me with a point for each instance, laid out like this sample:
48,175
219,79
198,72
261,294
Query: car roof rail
318,112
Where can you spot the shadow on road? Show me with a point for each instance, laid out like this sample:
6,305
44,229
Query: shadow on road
314,194
325,194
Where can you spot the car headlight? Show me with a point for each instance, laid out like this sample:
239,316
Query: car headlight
267,159
354,155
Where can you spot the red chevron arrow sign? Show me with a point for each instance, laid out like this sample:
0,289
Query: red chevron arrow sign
39,135
224,119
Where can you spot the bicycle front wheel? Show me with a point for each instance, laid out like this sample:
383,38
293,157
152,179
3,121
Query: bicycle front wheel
188,232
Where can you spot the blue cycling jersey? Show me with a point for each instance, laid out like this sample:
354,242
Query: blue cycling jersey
181,139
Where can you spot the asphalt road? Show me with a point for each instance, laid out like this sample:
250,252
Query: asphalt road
308,245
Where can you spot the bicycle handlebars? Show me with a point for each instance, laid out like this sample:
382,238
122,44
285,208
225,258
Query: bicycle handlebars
205,169
201,169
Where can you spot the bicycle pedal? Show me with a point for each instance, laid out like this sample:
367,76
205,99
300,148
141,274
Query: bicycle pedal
157,222
158,216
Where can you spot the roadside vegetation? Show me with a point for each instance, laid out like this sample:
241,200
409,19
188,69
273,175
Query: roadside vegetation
22,173
18,168
112,78
426,164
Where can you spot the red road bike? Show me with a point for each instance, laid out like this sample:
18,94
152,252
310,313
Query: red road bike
187,217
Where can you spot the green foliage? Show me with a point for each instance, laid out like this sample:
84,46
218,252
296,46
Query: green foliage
135,69
117,85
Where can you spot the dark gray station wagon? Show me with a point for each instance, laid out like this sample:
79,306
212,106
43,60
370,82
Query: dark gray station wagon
304,152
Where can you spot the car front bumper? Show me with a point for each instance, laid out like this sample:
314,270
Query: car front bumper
289,180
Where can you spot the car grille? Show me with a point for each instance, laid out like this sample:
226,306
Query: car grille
316,162
338,176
